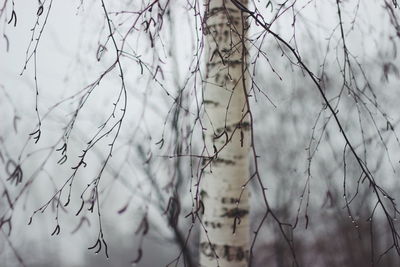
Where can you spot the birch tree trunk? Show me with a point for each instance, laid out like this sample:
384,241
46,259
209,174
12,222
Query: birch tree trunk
227,136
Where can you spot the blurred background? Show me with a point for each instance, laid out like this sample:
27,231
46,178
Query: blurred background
59,57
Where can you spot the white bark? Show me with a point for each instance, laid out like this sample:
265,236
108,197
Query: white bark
225,106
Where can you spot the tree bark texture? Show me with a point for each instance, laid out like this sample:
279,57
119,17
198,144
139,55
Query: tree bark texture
225,242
